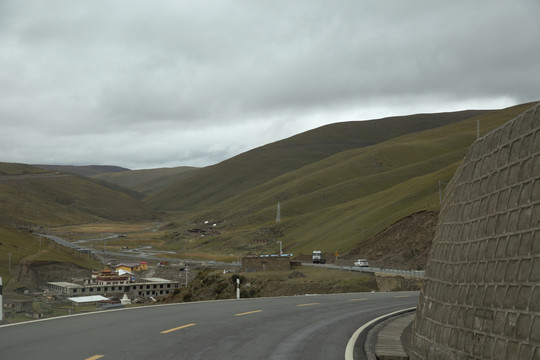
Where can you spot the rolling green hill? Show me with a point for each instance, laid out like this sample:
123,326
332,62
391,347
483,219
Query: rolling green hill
332,200
219,182
19,169
337,186
148,181
30,195
87,170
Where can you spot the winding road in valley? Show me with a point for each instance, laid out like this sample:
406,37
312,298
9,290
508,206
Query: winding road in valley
296,327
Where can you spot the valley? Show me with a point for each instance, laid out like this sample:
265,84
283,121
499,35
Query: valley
369,189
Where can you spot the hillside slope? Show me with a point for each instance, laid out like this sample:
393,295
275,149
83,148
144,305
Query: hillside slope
24,257
341,200
87,170
30,195
216,183
403,245
147,181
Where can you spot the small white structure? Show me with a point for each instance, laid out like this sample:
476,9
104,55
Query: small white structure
87,299
123,272
125,300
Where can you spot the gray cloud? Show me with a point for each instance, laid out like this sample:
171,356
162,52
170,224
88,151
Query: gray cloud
142,84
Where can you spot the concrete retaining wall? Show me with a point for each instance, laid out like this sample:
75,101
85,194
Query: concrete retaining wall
481,298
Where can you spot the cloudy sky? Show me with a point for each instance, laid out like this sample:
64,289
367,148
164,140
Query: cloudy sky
145,84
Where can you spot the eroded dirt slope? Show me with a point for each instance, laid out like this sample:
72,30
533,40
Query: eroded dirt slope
403,245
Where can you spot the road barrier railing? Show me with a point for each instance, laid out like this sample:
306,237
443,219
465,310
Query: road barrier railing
410,273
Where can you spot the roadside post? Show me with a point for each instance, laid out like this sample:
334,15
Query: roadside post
238,288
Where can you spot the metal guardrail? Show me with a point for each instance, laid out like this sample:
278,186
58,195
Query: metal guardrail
411,273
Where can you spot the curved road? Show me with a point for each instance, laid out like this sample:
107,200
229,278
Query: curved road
297,327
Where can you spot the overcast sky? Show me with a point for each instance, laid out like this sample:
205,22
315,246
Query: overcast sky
146,84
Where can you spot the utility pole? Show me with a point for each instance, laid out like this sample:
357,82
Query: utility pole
280,248
440,193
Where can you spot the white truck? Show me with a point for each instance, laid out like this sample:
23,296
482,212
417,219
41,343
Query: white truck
318,258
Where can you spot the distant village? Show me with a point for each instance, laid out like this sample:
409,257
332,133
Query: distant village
118,282
107,288
127,282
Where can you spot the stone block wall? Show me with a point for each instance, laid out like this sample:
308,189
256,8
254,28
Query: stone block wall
270,263
481,298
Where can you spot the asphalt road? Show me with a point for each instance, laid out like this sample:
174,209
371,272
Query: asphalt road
298,327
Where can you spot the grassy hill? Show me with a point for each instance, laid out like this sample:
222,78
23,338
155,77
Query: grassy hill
148,181
30,195
219,182
337,186
87,170
332,200
7,169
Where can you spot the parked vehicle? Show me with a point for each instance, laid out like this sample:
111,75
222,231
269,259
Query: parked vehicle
318,258
361,263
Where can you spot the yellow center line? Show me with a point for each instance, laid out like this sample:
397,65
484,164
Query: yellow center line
358,299
249,312
309,304
176,328
402,296
95,357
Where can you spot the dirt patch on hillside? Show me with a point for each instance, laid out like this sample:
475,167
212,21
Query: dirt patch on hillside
403,245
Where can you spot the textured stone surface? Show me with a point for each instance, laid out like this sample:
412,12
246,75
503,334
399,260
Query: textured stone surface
481,298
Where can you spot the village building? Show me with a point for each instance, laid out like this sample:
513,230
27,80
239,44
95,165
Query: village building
109,277
116,283
140,266
142,287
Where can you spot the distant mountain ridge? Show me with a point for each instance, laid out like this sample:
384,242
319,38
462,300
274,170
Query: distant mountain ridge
148,181
84,170
233,176
30,195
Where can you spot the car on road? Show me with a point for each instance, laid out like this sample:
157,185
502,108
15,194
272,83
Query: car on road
361,263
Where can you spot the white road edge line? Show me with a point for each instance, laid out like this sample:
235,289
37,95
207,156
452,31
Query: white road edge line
349,350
